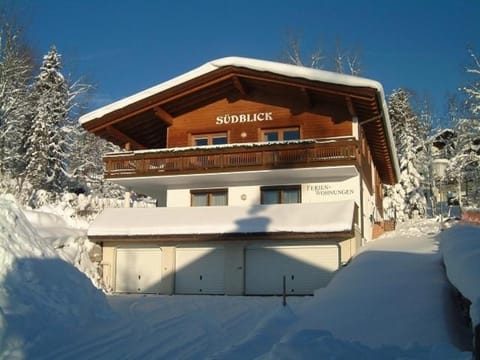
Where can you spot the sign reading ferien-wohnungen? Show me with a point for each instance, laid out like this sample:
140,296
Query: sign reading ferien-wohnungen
329,191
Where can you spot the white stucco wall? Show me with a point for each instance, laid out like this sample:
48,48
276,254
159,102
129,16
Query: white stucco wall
237,196
250,195
368,212
178,197
318,192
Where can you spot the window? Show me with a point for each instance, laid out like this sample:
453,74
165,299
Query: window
214,197
281,134
209,139
280,194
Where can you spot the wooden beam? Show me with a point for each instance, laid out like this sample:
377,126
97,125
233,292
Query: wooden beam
164,115
152,105
239,86
377,117
306,96
125,138
350,107
326,88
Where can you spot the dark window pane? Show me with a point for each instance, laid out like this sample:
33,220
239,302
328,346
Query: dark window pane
270,136
219,140
201,141
291,196
200,199
270,197
219,199
291,135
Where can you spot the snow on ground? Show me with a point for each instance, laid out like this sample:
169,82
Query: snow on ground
391,302
461,252
42,297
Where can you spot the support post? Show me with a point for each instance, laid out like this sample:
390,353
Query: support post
128,197
476,342
284,290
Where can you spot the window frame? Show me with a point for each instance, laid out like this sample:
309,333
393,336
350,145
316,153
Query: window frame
281,197
209,193
281,133
209,137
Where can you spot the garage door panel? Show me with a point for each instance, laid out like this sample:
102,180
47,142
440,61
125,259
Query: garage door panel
305,268
199,270
139,270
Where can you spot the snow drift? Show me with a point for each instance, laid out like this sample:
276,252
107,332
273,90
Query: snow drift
460,246
40,294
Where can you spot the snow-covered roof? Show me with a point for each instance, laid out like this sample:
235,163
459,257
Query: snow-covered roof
329,217
253,64
282,69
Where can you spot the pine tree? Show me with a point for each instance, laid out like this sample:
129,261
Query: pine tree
407,196
48,139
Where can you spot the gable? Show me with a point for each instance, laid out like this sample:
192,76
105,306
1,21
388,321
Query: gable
145,120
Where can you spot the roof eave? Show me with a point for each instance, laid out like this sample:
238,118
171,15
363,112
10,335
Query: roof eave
267,236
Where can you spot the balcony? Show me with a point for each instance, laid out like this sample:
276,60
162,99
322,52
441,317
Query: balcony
233,158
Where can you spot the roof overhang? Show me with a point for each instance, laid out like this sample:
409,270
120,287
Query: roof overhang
137,118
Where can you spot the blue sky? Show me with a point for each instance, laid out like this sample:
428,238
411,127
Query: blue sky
125,46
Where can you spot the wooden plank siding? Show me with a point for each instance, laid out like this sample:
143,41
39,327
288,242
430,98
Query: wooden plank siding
322,121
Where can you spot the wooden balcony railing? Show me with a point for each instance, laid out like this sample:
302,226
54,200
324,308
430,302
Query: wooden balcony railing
232,158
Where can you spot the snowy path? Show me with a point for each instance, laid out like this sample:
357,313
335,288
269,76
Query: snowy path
392,301
168,327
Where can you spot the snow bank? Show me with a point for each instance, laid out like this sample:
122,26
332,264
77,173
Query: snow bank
460,246
40,294
71,244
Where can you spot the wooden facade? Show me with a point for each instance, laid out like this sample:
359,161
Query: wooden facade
320,110
313,123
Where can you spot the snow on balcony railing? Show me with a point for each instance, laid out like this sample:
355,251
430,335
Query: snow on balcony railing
227,157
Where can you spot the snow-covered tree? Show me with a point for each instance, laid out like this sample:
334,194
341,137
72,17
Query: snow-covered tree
406,197
48,140
464,164
473,89
15,76
85,165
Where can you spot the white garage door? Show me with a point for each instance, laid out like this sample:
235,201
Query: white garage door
306,268
199,270
139,270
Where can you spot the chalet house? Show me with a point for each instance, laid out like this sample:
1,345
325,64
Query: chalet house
261,171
